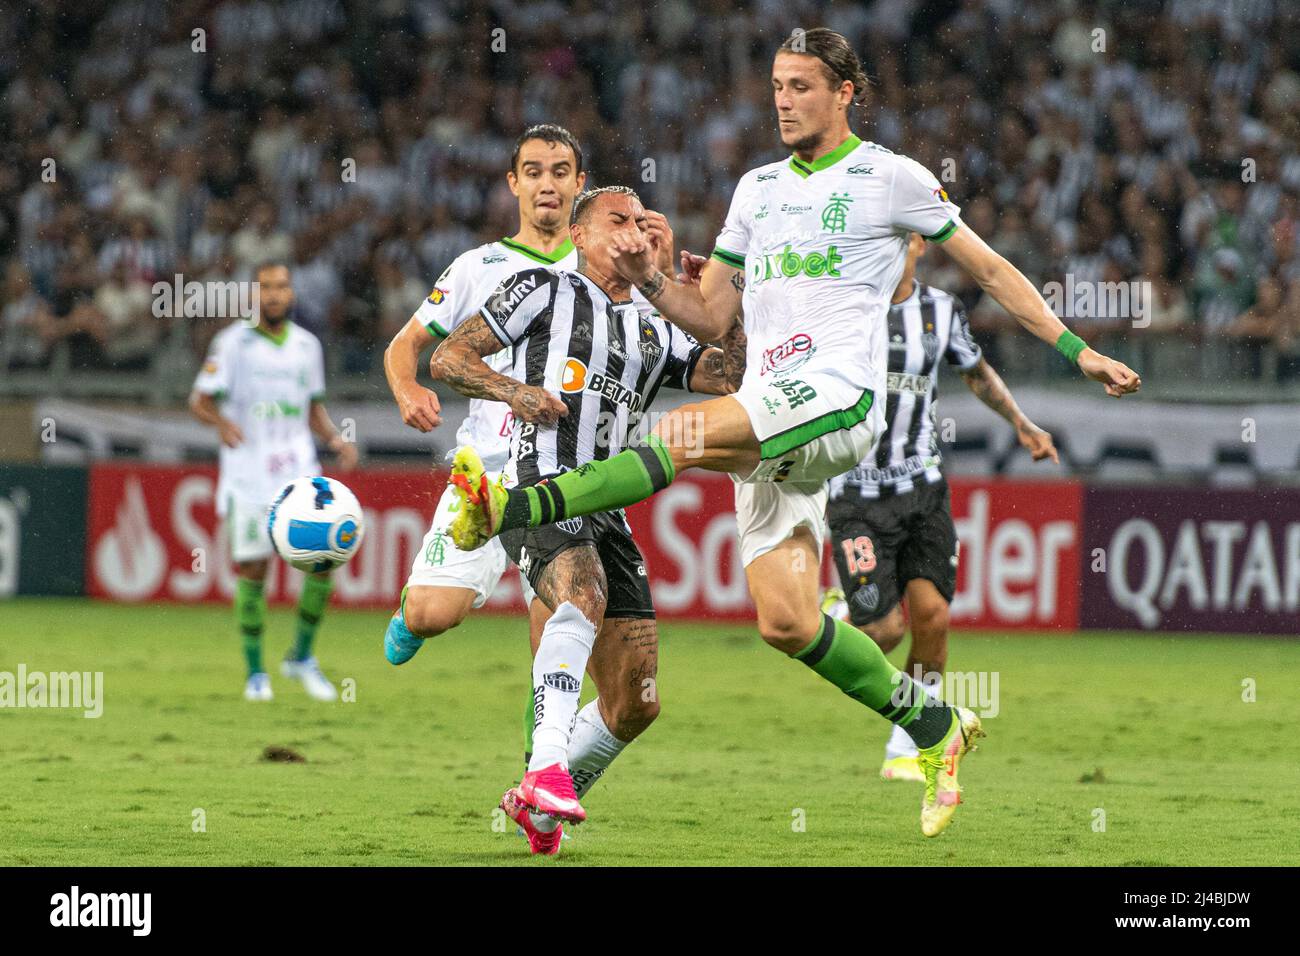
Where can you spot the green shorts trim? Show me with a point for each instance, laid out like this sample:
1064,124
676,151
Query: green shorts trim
809,431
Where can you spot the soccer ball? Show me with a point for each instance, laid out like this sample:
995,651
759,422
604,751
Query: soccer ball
316,524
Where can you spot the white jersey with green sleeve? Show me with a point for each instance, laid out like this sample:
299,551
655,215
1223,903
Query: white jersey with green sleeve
823,247
458,295
265,384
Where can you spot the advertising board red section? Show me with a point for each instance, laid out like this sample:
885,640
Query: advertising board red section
154,536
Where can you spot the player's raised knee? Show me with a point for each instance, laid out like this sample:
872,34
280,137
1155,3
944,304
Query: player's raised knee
887,631
788,629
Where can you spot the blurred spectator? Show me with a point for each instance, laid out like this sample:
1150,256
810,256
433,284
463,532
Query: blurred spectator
27,326
1172,157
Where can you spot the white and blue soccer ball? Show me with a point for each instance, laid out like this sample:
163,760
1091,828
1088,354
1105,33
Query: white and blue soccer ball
316,524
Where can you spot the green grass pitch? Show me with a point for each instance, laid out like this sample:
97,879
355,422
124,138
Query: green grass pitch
754,760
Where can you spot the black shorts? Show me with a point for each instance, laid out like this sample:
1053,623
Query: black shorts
628,586
891,541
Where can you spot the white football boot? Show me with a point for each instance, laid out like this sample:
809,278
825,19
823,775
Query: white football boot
308,673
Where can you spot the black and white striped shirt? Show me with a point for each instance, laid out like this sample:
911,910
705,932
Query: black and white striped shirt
605,360
927,324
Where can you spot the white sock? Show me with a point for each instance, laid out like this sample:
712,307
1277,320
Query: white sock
561,660
901,743
592,748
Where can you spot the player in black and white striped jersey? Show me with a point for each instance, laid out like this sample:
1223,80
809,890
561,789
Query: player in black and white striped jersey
925,325
587,363
605,360
892,534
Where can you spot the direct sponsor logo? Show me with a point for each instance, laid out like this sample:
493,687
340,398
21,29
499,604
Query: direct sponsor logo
767,177
789,355
493,259
511,292
861,170
788,264
562,681
573,376
796,391
615,391
790,209
907,382
910,467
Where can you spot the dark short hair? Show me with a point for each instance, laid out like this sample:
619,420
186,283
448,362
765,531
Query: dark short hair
836,54
550,134
582,204
271,264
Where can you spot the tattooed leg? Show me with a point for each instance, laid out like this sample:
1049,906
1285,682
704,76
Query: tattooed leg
624,666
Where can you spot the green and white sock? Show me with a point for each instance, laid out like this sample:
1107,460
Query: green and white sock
855,664
630,476
250,613
311,606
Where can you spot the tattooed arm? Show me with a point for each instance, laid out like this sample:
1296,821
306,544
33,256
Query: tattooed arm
458,361
733,351
709,376
987,385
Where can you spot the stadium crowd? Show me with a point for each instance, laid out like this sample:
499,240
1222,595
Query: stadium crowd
1110,142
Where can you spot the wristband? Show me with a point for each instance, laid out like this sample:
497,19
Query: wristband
1070,345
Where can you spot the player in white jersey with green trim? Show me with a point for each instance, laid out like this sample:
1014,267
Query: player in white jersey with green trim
263,388
816,246
446,582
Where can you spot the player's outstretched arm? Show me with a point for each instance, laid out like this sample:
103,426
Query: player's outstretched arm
458,361
419,406
987,385
704,310
322,426
1008,286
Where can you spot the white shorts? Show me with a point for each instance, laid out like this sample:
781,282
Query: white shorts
247,532
810,428
441,564
768,512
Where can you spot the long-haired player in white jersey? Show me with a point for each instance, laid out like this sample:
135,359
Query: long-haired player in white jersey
816,246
